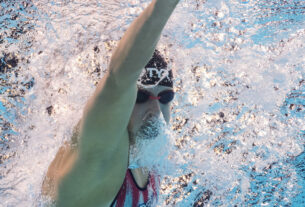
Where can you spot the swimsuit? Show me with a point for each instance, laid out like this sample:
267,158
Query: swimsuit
131,195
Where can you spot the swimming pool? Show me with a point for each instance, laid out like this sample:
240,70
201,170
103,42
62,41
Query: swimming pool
237,129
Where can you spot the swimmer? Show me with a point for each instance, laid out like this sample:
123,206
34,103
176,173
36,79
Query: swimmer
94,169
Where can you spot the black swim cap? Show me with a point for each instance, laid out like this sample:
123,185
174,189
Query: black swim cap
156,72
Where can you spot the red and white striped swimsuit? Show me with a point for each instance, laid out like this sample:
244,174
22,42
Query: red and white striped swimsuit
131,195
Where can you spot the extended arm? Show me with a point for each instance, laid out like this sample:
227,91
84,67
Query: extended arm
138,44
102,160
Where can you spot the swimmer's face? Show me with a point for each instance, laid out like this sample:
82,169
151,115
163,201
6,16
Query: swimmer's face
145,114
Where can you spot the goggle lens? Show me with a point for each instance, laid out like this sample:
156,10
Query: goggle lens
164,97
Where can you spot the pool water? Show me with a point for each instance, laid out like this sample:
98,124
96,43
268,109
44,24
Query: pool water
237,132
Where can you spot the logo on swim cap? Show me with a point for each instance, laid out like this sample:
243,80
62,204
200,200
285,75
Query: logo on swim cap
155,72
154,76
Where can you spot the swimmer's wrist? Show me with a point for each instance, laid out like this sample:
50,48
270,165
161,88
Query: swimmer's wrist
166,6
166,3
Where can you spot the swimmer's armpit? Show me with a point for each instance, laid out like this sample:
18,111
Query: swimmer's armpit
61,164
59,167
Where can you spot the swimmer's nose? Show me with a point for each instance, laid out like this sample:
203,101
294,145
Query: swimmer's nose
154,109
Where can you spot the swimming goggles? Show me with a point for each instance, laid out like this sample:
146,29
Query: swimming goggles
164,97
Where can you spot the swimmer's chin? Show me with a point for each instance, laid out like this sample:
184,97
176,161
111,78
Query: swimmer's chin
143,136
148,133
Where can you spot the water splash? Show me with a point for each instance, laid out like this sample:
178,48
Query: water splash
238,116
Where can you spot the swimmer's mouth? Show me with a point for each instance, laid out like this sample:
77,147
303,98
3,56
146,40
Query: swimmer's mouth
150,130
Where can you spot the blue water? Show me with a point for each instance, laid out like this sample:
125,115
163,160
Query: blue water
238,117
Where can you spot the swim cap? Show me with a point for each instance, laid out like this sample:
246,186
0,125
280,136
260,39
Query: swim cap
156,72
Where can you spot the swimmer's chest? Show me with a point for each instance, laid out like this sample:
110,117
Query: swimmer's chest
131,195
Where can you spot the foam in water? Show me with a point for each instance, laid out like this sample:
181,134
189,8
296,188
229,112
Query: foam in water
237,128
